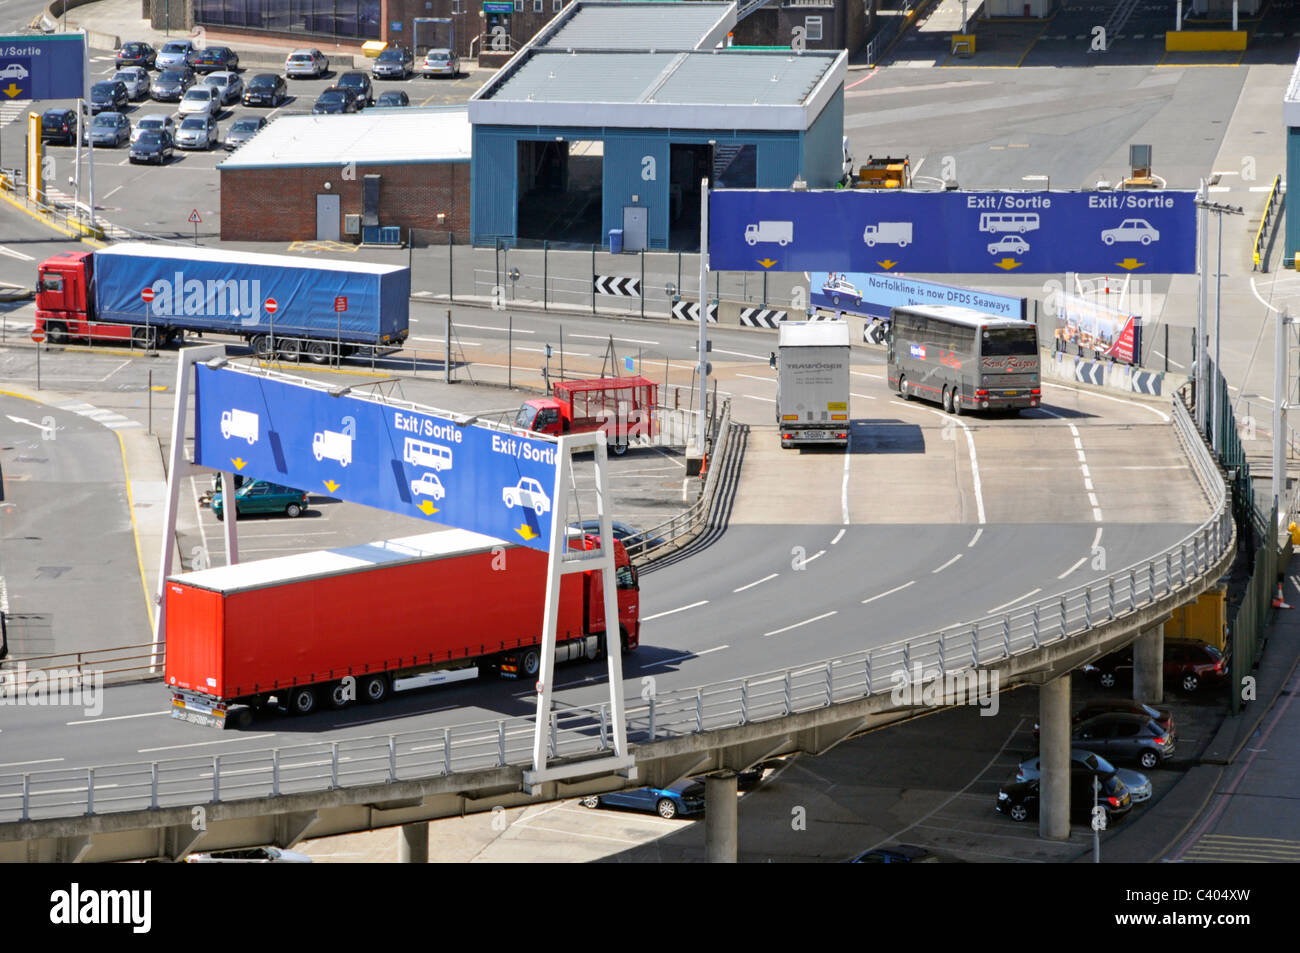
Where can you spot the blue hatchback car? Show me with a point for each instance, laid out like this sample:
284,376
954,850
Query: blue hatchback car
677,800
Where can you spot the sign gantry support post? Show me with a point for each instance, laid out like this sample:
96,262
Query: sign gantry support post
559,566
185,360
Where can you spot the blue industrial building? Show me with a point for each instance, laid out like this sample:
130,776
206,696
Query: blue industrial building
610,117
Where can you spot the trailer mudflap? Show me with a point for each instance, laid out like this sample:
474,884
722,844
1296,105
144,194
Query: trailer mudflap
197,709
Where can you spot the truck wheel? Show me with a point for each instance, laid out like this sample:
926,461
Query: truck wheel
302,700
146,337
338,696
290,350
620,449
260,344
374,688
241,720
57,333
529,662
318,352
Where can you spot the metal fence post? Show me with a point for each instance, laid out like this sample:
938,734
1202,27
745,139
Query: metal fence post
1132,590
275,772
501,742
830,684
638,370
216,778
451,252
593,279
1110,597
334,765
1151,582
867,667
1035,629
1064,629
446,750
1169,573
27,797
699,709
907,662
604,725
153,786
546,254
652,718
555,734
787,691
744,702
90,790
1087,607
392,758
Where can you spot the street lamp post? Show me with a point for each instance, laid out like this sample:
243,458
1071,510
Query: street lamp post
1216,411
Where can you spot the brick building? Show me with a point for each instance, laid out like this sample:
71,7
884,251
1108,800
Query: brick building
338,177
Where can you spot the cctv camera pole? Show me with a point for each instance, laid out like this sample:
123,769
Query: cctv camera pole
90,153
704,313
1279,415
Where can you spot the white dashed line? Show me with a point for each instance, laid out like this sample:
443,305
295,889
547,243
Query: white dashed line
947,564
816,618
889,592
688,655
660,615
976,538
838,536
1032,592
756,582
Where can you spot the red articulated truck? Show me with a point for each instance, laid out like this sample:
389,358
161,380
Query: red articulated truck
621,406
358,623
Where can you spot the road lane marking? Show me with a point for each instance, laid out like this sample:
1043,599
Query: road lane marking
96,721
878,377
1031,592
816,618
839,536
20,764
974,460
484,327
844,485
756,397
756,582
753,378
757,357
863,396
660,615
1119,400
200,744
947,564
1082,560
976,538
809,559
688,655
890,592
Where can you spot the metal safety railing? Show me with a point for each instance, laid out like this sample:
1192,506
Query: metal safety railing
954,652
1270,206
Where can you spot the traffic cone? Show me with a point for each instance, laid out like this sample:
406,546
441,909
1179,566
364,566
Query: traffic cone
1280,601
704,466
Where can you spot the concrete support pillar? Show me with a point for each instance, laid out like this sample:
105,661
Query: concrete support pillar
720,819
413,847
1054,759
1149,666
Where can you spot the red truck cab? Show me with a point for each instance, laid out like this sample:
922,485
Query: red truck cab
623,407
64,297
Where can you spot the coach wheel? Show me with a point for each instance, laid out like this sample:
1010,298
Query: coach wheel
956,403
903,392
947,400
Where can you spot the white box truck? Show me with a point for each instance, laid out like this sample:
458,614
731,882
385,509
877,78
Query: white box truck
812,395
239,423
888,233
336,446
780,232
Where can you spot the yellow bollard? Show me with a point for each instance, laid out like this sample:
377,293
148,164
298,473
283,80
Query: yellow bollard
1295,534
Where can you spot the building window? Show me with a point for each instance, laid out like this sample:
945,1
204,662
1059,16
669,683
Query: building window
556,6
812,27
538,6
519,6
457,6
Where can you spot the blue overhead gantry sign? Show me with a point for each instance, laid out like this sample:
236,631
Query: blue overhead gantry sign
952,232
42,67
404,460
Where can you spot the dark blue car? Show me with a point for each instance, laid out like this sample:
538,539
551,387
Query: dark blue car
681,799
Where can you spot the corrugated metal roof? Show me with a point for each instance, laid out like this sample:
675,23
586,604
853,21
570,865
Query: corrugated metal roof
688,78
636,26
374,136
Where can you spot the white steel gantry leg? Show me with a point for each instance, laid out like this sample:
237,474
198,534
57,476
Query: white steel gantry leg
184,361
558,567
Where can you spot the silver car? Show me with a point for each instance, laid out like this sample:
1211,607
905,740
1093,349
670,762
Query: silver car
440,63
200,100
155,121
228,86
311,63
241,130
175,53
198,132
135,79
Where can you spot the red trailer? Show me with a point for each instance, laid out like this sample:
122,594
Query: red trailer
621,406
358,623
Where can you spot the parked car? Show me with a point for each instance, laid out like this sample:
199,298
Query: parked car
1123,737
1161,716
1139,785
111,95
1019,799
440,63
625,534
228,85
170,85
110,129
360,84
1187,663
152,145
1080,760
392,97
312,63
200,100
260,496
336,100
241,130
677,800
213,58
59,125
175,53
266,89
135,53
156,122
198,132
249,855
394,62
136,81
